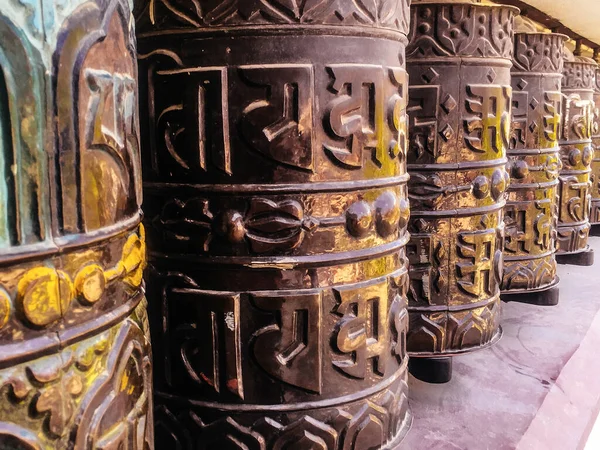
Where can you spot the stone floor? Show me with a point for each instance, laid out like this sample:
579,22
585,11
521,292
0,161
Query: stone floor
538,388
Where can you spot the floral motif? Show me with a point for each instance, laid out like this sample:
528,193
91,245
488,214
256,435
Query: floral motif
391,14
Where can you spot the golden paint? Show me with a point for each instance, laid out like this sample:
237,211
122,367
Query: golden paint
5,307
90,283
45,295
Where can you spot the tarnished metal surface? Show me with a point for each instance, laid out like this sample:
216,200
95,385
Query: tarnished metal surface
75,366
595,175
276,208
531,212
576,153
459,60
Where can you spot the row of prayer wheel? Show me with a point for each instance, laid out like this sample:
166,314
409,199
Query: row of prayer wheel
329,187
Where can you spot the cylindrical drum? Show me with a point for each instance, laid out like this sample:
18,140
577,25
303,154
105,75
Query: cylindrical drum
576,153
75,366
459,60
595,175
533,164
276,209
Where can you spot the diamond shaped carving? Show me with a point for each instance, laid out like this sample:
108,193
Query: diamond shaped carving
491,75
447,132
430,76
533,127
449,104
522,84
533,103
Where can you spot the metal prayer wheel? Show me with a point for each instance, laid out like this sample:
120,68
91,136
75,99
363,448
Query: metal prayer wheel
530,214
276,210
75,366
595,166
576,153
459,60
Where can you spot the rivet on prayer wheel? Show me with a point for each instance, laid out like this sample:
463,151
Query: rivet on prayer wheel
530,214
459,61
576,153
274,146
75,366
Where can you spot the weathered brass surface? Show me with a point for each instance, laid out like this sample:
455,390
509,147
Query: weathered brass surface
75,368
530,215
275,200
576,153
595,166
459,60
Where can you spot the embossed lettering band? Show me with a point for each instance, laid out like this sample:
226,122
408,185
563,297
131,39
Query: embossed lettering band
530,216
75,368
276,212
459,60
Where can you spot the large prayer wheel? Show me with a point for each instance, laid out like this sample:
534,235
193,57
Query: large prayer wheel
595,175
531,210
75,366
276,210
576,153
459,61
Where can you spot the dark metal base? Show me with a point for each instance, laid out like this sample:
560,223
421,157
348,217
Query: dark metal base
595,230
549,297
584,258
431,370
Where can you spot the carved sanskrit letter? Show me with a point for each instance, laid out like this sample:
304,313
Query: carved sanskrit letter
552,117
279,126
356,117
519,227
476,276
397,112
111,110
543,223
423,113
578,118
211,320
363,331
520,101
489,128
196,130
290,350
575,200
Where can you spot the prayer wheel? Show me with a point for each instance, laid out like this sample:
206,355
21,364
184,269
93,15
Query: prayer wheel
595,175
75,367
459,61
274,146
576,153
530,214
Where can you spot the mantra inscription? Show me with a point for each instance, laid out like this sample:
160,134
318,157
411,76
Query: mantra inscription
276,210
576,154
459,135
595,165
530,215
75,359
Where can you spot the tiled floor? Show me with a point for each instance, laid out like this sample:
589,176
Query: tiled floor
538,388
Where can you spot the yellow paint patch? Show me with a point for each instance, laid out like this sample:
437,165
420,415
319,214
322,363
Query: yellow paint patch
45,294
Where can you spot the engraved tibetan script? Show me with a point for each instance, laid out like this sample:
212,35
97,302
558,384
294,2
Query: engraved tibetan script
488,128
423,114
552,117
290,349
279,125
361,116
210,320
363,331
476,276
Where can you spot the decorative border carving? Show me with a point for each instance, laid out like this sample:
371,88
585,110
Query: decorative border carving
539,52
472,30
155,15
